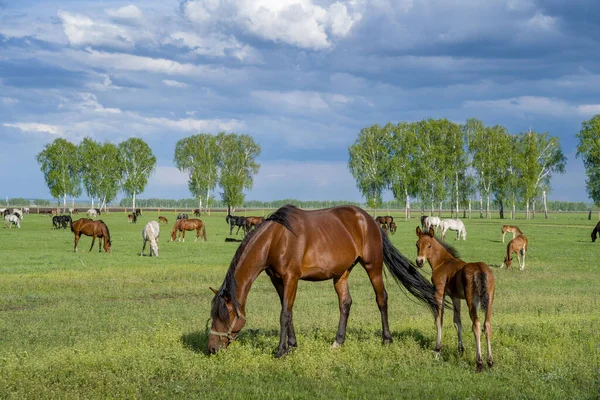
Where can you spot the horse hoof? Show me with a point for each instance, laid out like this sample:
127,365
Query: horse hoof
387,341
490,364
479,368
335,345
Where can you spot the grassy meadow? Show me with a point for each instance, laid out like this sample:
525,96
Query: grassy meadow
95,325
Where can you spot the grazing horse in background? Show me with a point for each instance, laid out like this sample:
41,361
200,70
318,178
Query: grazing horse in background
25,210
517,245
423,220
59,221
163,219
10,220
595,231
182,216
432,222
138,212
510,228
393,227
253,222
18,213
457,279
294,244
150,233
183,225
95,229
233,221
132,218
196,212
454,225
92,213
385,221
73,211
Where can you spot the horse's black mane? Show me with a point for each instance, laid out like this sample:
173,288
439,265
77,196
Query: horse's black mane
228,289
449,248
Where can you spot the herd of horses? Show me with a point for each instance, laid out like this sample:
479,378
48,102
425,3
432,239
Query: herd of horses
293,244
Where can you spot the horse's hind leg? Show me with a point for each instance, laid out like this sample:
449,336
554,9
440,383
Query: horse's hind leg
376,277
488,324
345,302
458,324
472,303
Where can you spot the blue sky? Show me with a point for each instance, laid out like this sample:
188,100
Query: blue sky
301,76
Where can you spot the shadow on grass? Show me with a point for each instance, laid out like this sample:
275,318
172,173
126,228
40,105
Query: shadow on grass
412,334
196,342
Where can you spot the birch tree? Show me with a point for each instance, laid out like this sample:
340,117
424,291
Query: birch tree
59,164
137,163
589,150
368,164
198,155
402,162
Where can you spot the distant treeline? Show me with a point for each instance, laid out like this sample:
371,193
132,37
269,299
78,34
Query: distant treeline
553,205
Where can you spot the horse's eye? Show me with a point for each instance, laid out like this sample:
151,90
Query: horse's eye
429,246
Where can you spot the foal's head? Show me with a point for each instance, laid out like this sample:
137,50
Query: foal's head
424,245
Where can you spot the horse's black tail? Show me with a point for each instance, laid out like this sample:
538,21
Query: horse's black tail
405,272
481,286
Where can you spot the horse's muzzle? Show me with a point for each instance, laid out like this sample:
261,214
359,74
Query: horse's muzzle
420,262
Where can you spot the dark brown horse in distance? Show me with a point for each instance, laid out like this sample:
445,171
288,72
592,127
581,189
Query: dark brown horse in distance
192,224
163,220
595,231
294,244
95,229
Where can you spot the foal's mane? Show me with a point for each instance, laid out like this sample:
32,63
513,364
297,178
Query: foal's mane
448,248
228,289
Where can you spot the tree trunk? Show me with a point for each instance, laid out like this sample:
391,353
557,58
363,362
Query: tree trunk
527,212
501,203
103,204
407,207
513,209
92,201
456,198
64,203
206,202
533,208
480,206
470,209
133,201
440,211
545,205
487,208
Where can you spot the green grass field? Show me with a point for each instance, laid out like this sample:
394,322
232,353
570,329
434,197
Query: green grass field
96,325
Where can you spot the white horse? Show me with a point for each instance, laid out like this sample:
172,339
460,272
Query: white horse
18,213
10,220
432,222
150,233
92,213
453,225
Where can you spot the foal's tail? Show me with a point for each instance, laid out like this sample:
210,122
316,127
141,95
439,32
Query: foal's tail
481,286
405,272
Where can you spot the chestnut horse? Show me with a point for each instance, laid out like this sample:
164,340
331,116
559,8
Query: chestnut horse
451,276
192,224
95,229
510,228
595,231
517,245
253,222
163,219
294,244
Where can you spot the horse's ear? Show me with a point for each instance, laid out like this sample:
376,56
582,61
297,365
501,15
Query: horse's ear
215,291
419,232
431,232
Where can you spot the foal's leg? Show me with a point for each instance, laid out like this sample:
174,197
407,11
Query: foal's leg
439,317
278,284
376,278
290,286
458,324
488,325
345,302
523,266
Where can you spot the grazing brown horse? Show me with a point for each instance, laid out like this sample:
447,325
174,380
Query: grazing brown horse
192,224
196,212
517,245
132,218
253,222
392,227
595,232
457,279
293,244
163,219
95,229
510,228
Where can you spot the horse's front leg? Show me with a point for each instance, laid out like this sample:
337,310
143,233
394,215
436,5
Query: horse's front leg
278,284
93,240
197,234
290,286
458,324
439,319
100,244
144,248
183,235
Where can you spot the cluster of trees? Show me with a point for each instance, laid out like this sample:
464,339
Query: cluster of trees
104,169
589,150
101,169
226,160
437,160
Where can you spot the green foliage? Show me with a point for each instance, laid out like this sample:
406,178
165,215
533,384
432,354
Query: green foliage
237,166
198,155
589,150
121,326
100,169
137,163
59,164
369,162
